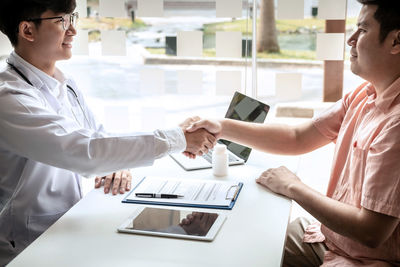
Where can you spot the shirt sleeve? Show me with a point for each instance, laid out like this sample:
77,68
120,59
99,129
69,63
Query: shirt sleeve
32,130
330,121
169,141
166,141
381,187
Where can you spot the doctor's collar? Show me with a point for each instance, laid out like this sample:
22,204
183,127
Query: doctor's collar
26,68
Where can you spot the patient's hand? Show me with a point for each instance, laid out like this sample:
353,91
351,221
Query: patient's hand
198,142
119,182
213,126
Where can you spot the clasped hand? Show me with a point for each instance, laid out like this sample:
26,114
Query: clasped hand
199,141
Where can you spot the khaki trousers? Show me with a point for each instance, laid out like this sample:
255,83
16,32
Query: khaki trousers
299,254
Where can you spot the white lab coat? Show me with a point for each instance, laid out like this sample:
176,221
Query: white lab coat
46,143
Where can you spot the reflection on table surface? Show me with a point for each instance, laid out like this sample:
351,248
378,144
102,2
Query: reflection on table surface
174,221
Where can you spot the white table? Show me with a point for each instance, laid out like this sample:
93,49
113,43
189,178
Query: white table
253,234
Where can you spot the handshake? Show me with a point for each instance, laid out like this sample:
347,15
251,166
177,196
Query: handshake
201,135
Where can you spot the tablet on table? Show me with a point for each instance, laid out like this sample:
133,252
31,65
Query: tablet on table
187,224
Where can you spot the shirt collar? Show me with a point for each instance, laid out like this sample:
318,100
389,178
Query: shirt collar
37,77
386,99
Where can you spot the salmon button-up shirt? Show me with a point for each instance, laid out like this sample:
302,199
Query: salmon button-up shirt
365,171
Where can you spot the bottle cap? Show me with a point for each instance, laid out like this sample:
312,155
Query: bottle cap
220,148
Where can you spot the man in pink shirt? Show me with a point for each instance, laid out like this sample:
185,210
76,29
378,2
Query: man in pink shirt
360,213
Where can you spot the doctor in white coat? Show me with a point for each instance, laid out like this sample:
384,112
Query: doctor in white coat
49,137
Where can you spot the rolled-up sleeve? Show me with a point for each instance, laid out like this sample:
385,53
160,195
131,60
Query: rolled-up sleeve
330,121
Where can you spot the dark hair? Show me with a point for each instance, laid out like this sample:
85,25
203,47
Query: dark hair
387,14
13,12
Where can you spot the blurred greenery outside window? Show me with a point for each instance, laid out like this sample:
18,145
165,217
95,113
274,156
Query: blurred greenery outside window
297,38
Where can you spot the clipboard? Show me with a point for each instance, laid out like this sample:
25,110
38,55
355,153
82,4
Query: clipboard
226,193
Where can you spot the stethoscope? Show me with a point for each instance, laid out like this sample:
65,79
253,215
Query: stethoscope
70,89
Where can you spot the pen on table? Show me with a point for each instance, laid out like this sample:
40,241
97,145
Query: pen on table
152,195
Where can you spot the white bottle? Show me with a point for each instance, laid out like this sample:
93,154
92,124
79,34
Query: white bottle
220,160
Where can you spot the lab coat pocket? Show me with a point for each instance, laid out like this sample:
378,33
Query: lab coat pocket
37,224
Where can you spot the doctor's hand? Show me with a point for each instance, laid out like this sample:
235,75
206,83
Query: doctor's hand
198,142
120,181
188,122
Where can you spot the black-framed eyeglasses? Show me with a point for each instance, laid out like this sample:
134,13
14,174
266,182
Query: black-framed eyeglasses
67,20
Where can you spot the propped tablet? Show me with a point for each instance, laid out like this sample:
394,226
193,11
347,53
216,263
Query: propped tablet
186,224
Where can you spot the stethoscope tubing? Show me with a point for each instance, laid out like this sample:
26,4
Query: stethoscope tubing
71,90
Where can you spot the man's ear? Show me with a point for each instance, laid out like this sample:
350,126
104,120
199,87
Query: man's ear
26,31
396,43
